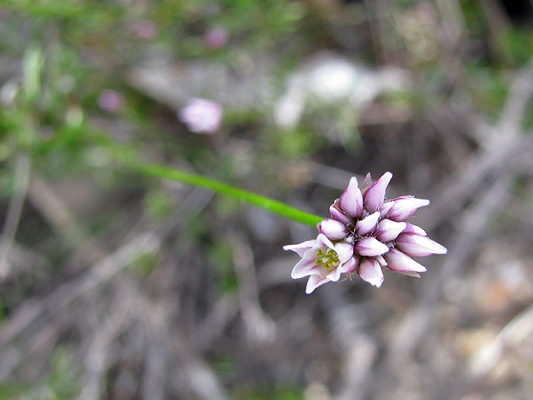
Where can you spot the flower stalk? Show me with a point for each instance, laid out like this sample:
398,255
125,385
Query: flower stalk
128,158
257,200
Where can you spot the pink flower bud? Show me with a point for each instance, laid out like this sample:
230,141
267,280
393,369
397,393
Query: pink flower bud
350,265
410,228
418,246
367,224
374,196
385,208
351,200
333,229
370,247
404,207
389,230
345,251
338,214
400,262
370,271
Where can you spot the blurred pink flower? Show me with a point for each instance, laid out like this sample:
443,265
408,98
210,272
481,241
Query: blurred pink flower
365,234
110,100
145,29
201,115
216,37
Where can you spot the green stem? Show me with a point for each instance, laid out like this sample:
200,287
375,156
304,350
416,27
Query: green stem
161,171
266,203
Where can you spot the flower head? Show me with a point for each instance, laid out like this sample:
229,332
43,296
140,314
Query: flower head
364,234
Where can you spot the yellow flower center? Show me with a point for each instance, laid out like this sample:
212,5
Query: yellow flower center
327,258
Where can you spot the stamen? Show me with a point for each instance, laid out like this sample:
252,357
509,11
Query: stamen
327,258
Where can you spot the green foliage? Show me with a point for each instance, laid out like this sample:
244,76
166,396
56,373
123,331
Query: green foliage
13,391
62,380
157,204
516,46
489,87
512,45
265,20
60,384
220,258
2,312
144,264
474,17
265,393
291,143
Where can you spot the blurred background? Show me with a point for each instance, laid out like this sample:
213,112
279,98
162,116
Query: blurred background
115,285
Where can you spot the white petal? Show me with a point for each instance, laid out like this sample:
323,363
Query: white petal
381,261
323,241
334,275
314,282
344,251
306,266
366,183
349,266
301,248
385,207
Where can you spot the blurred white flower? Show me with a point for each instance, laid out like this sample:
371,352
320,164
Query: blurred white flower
332,79
201,115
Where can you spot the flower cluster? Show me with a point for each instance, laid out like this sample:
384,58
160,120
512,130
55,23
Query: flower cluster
364,234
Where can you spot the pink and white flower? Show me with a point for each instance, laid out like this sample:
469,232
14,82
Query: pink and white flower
364,234
322,260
